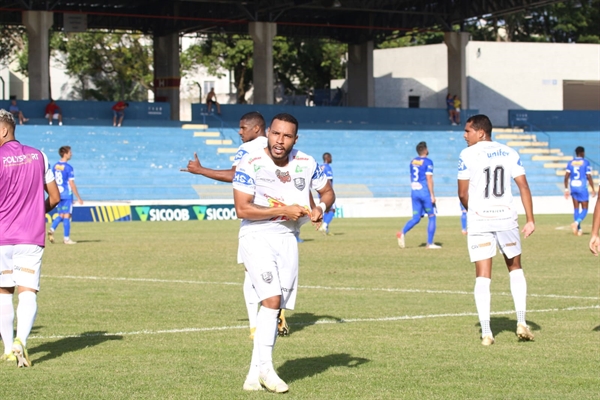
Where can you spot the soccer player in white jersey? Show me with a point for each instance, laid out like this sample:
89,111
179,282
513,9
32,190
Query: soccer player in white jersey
24,176
271,191
485,170
252,134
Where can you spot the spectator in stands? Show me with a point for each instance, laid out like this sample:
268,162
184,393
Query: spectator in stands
17,114
53,111
595,239
211,98
456,102
577,172
450,107
119,112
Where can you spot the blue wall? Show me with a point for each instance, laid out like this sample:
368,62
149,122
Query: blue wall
334,117
569,120
93,110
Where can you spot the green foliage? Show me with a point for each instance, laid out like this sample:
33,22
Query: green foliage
299,64
219,53
154,310
413,38
13,46
564,22
108,66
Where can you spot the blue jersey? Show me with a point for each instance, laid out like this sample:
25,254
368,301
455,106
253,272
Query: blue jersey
578,168
63,172
326,168
420,167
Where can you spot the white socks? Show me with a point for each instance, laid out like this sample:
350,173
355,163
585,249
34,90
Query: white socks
483,299
264,338
251,300
7,318
518,288
26,312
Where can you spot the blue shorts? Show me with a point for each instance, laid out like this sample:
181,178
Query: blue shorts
421,203
65,206
118,113
580,195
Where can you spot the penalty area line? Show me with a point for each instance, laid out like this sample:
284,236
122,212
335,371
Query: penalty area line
318,322
350,289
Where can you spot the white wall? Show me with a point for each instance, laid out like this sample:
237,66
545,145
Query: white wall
504,76
411,71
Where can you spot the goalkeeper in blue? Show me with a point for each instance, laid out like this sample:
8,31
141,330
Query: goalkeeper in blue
577,173
423,197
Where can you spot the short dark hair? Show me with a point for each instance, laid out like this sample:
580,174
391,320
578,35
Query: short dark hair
127,104
421,147
482,122
64,150
579,150
255,117
287,118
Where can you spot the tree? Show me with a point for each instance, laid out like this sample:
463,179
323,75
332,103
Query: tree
108,66
413,38
298,63
219,53
13,44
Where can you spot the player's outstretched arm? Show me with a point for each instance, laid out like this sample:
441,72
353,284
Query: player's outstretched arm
223,175
523,186
595,240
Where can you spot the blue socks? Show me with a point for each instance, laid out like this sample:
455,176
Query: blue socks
56,222
431,229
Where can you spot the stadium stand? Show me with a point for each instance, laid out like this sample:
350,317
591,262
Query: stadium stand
143,163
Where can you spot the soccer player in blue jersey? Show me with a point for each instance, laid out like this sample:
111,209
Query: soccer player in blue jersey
65,179
423,198
328,217
577,172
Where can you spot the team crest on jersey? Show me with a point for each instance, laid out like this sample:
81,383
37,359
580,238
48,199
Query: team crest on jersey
267,277
300,183
284,177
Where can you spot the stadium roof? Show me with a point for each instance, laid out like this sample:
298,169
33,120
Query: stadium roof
345,20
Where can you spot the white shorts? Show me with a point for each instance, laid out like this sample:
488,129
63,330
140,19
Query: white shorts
21,265
55,116
483,245
272,263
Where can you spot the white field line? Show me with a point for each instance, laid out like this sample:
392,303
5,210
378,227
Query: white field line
350,289
318,322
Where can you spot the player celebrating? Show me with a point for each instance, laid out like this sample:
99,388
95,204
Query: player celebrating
328,217
485,169
578,170
272,195
24,176
423,198
252,134
65,179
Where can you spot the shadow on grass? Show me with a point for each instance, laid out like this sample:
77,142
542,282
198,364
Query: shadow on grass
295,370
505,324
299,321
597,329
69,344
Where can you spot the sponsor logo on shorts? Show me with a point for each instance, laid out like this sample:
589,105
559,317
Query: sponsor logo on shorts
480,245
510,244
284,177
26,270
267,277
8,271
300,183
287,290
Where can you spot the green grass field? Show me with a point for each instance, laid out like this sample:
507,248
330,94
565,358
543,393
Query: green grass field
155,311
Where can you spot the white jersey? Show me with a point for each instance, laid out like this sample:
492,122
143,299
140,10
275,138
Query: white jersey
258,143
489,167
274,186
